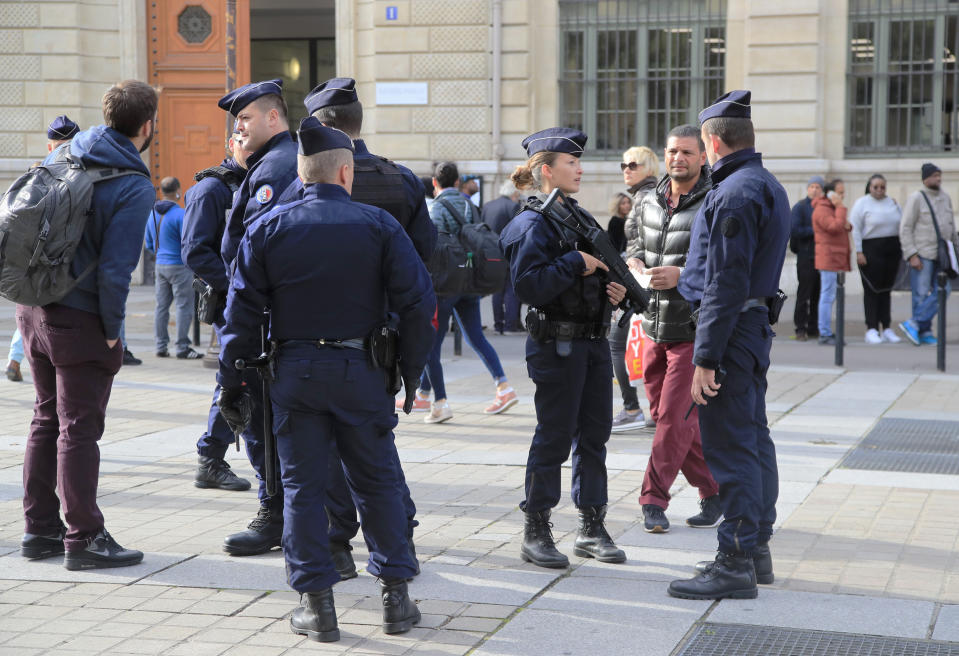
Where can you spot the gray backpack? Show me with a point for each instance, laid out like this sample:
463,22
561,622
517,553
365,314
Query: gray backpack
42,218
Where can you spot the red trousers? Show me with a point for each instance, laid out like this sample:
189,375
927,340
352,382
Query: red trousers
668,374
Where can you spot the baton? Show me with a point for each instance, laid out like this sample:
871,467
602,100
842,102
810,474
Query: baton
720,375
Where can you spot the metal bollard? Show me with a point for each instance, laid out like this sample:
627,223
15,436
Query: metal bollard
457,336
840,315
941,328
196,319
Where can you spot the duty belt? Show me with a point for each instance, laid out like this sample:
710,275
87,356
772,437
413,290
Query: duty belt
758,302
571,330
358,344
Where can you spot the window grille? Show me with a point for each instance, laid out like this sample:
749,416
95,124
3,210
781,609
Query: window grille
903,81
631,70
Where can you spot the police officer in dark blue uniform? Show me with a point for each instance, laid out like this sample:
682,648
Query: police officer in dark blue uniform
736,255
379,182
567,354
326,391
262,129
208,203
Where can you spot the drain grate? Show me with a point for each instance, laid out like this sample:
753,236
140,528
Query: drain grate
908,445
737,640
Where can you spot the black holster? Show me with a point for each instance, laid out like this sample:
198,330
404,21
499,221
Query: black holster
383,348
210,303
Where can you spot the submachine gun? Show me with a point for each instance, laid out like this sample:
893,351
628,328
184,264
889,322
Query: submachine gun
637,298
265,367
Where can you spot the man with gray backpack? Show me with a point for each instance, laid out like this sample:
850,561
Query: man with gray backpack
68,267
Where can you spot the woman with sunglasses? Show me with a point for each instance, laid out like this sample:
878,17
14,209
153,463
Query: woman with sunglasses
875,222
640,168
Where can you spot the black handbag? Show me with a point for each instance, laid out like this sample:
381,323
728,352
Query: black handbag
943,256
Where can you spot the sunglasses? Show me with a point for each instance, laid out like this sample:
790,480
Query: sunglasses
632,166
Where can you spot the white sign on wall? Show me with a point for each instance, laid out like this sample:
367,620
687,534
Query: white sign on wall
402,93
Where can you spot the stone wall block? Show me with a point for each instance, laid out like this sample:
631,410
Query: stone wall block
21,119
459,92
468,38
450,12
461,146
19,14
450,67
451,119
19,67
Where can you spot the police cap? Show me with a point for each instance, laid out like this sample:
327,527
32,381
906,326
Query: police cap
62,128
734,104
314,137
338,91
236,100
556,140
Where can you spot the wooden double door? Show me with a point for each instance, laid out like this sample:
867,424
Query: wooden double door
197,49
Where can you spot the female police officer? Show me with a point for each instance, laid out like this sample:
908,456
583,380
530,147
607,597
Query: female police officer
567,355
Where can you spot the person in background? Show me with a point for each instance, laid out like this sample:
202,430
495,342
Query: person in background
497,214
875,220
926,210
831,230
803,243
619,208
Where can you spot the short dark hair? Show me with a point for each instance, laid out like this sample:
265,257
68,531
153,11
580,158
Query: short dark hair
273,101
348,117
831,185
874,176
737,133
446,174
686,131
428,186
169,185
128,105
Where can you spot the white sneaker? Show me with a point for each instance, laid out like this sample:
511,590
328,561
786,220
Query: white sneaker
438,414
889,336
872,337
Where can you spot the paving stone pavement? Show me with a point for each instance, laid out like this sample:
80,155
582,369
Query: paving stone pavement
854,551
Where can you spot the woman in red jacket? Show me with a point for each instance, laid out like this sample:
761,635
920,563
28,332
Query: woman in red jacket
831,230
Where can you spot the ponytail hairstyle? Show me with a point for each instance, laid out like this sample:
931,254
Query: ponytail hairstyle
530,174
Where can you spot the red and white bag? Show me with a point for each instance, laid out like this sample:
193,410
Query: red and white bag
634,348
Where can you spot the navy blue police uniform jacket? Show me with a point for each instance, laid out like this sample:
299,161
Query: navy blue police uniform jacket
737,249
328,268
204,219
420,229
269,171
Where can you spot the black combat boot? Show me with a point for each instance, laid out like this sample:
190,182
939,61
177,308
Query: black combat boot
538,546
731,576
593,541
762,561
399,611
316,617
343,560
216,473
262,534
710,513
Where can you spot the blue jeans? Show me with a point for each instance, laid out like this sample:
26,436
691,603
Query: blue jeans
16,347
925,301
827,295
174,283
466,309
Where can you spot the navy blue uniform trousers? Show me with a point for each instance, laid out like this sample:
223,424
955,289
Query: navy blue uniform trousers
326,397
218,436
736,441
574,409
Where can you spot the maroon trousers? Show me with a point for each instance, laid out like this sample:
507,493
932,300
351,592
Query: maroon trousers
668,374
73,373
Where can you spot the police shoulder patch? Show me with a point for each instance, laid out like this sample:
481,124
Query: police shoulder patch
730,227
264,194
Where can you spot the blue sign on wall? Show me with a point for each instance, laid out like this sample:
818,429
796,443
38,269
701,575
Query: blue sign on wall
392,13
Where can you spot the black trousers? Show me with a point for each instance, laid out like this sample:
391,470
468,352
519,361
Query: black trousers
806,315
883,255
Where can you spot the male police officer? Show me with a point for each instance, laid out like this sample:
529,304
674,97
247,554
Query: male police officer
379,182
208,203
261,127
736,255
326,390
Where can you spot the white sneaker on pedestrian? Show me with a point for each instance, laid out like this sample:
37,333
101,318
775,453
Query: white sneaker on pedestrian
438,414
872,337
889,336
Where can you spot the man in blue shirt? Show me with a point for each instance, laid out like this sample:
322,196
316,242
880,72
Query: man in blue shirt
174,280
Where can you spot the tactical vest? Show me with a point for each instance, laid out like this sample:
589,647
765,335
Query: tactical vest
379,182
229,177
585,300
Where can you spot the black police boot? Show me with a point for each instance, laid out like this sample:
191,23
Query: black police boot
731,576
710,513
762,561
36,547
343,560
316,617
102,552
593,541
538,546
216,472
399,611
262,534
